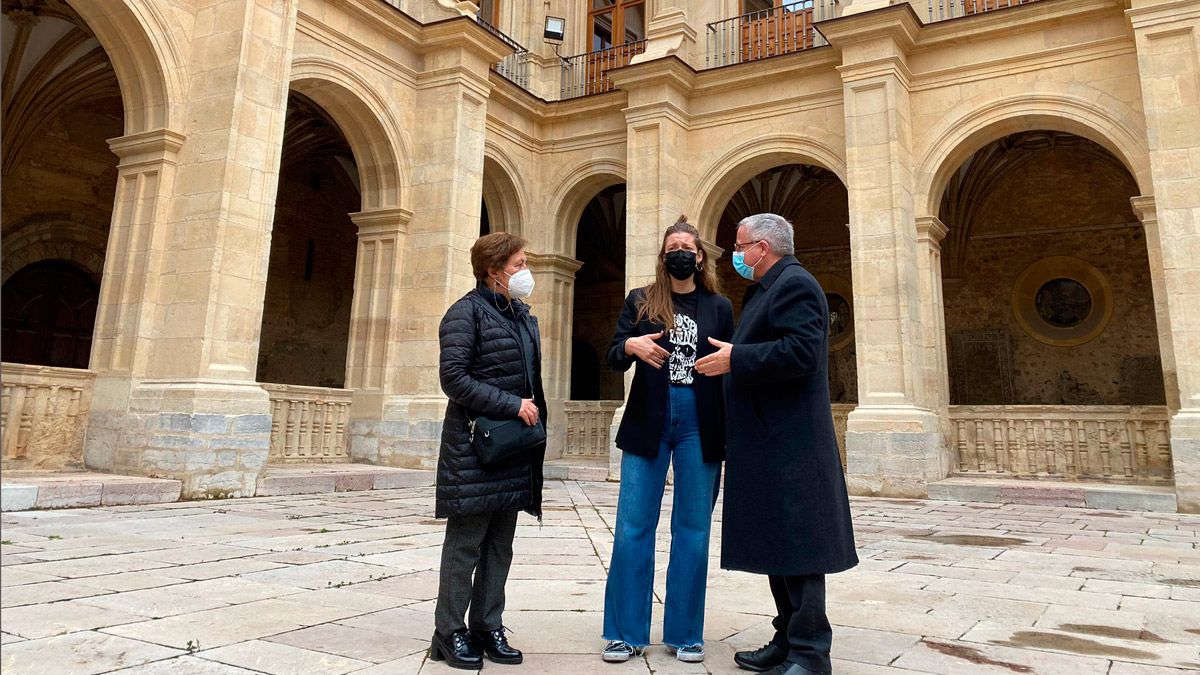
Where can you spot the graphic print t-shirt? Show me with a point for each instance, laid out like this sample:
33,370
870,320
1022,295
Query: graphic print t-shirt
683,338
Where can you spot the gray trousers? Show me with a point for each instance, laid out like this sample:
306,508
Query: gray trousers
481,545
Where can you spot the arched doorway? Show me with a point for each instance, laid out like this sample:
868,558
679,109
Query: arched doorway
599,292
49,312
310,281
814,200
1054,368
62,104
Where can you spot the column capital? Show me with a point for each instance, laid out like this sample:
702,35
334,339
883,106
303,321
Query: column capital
382,221
147,148
1144,208
714,252
931,229
1148,13
898,23
555,263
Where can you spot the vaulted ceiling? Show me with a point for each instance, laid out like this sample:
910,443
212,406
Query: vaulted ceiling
51,62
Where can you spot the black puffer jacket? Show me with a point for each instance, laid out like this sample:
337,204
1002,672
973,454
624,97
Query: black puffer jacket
483,372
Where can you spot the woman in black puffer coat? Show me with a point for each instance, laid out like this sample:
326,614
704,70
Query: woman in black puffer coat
490,365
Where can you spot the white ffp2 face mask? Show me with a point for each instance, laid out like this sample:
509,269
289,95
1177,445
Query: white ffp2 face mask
520,285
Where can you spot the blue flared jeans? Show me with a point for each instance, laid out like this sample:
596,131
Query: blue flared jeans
629,593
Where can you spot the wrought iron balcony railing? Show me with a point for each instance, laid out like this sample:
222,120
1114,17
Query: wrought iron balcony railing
585,74
767,32
952,9
515,66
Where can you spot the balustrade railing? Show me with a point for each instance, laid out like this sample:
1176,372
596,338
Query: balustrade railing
585,74
1106,443
308,424
939,10
588,424
44,414
515,66
767,32
841,413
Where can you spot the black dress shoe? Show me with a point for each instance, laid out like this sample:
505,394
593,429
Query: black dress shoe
496,647
762,659
458,650
789,668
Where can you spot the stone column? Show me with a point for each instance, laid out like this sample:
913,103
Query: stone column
553,303
894,446
930,233
377,334
447,190
193,410
1148,215
124,332
658,175
1167,36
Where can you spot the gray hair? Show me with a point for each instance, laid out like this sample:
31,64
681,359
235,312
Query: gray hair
773,229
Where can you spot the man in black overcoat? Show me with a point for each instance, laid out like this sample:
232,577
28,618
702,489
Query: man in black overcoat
786,511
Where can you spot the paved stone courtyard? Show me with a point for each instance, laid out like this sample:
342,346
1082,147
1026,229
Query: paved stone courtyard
340,583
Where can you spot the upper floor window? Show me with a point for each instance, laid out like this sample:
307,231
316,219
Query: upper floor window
616,22
489,11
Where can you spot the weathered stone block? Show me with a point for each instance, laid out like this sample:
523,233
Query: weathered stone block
387,480
243,424
274,486
14,497
67,495
141,492
349,482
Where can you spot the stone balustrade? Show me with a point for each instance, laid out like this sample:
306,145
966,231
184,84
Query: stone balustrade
587,427
308,424
841,412
44,414
1107,443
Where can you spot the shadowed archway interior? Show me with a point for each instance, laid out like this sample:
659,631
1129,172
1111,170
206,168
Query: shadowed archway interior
599,293
814,200
61,103
310,282
1042,241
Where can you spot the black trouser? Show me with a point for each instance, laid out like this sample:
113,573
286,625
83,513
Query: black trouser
801,626
481,544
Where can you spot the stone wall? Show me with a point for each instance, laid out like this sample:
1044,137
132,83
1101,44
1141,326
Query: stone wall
1119,367
58,199
306,314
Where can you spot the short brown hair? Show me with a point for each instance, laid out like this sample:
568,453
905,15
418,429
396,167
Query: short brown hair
492,251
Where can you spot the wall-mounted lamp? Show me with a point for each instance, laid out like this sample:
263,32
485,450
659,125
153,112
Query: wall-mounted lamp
556,28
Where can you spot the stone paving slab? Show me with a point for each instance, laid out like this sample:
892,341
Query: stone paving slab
345,582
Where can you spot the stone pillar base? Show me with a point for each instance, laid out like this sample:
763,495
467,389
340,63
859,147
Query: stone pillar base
212,436
614,453
399,431
894,451
1185,459
556,430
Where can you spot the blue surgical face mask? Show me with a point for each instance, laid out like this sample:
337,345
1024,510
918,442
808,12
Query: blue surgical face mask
744,270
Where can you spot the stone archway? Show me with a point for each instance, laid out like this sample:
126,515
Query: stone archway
503,202
1049,313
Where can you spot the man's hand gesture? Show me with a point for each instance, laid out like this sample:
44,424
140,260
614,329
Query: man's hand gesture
716,363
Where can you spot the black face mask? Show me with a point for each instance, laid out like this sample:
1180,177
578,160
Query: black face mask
681,264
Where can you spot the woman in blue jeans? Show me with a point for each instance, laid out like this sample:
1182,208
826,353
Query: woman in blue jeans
673,417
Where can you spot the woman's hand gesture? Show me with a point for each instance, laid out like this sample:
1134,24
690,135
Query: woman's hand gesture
645,349
529,412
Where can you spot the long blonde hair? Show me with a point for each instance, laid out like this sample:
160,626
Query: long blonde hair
657,305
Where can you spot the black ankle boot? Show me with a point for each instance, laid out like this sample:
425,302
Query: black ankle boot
458,650
496,647
766,657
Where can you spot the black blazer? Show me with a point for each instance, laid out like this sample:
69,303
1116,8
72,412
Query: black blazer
645,409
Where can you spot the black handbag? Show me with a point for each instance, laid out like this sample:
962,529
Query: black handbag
495,441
